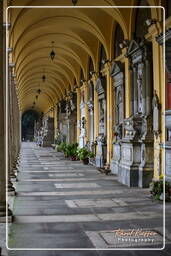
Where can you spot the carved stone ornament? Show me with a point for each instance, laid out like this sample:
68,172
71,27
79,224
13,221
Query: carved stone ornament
83,122
101,139
156,114
133,127
100,86
118,131
90,105
116,68
68,108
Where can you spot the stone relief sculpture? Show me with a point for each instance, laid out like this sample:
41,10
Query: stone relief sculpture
83,123
139,84
68,109
156,114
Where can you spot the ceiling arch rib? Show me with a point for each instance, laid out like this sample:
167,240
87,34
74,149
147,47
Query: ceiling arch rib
58,76
65,17
80,40
43,26
48,91
37,62
63,48
74,47
60,60
51,86
44,102
57,83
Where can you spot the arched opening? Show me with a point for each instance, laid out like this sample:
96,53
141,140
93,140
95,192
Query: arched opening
142,14
118,38
28,121
102,57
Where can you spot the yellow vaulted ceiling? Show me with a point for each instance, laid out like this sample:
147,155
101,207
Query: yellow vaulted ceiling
76,33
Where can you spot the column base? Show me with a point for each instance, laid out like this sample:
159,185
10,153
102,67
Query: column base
3,213
9,219
145,178
11,189
128,176
12,193
114,166
99,161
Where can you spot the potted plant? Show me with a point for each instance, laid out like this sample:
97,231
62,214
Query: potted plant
62,148
156,189
71,151
84,154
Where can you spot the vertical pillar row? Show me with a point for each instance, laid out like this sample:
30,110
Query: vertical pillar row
78,113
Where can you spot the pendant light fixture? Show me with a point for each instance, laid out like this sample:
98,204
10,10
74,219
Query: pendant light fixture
74,2
39,91
43,76
52,53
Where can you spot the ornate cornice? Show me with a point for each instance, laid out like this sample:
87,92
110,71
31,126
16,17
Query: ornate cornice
160,39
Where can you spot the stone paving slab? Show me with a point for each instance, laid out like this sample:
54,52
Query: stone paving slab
70,214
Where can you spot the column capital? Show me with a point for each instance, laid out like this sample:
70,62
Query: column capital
78,90
85,84
107,68
9,50
155,29
7,25
94,77
11,65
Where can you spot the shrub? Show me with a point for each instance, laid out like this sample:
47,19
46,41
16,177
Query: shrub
84,153
157,187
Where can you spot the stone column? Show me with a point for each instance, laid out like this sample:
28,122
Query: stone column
2,116
109,105
11,123
127,89
96,108
86,111
78,113
135,92
159,86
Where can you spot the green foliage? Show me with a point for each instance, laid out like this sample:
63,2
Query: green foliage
71,149
60,138
61,147
68,149
84,153
157,189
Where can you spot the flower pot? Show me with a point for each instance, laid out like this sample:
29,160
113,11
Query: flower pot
85,161
73,158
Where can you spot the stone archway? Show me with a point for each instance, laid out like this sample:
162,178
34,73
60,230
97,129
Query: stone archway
28,121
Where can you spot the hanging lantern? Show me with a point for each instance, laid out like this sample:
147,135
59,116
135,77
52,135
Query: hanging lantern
43,78
52,53
74,2
39,91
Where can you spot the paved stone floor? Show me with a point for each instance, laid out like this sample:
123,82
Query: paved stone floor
64,204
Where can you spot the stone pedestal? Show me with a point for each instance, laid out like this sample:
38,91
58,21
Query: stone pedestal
101,151
48,135
168,145
128,171
168,161
3,213
114,165
146,169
